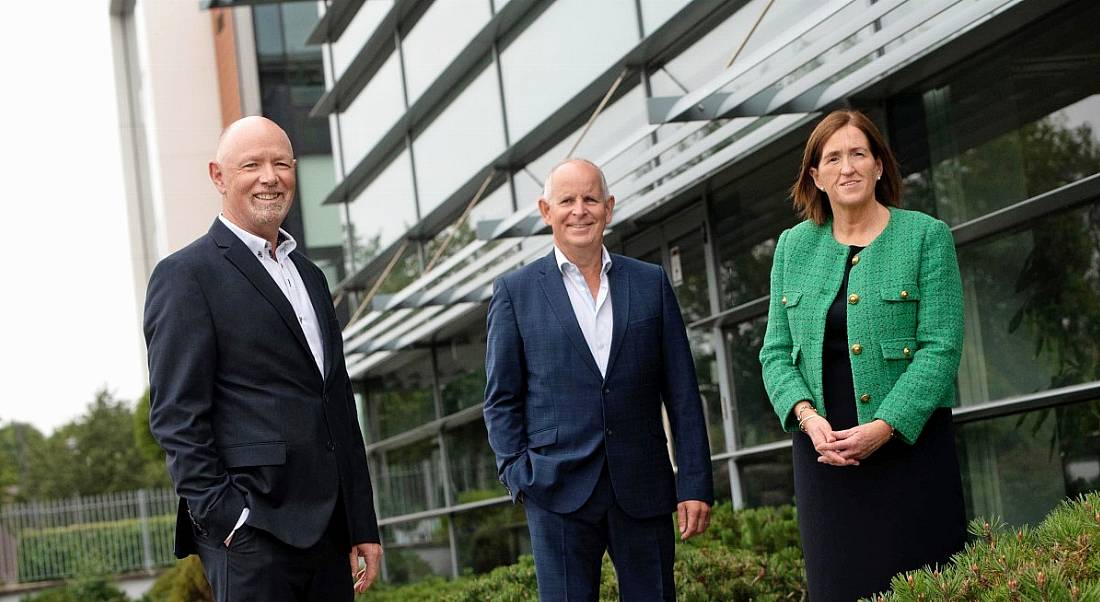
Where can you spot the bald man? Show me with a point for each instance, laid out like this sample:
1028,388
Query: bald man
584,349
251,398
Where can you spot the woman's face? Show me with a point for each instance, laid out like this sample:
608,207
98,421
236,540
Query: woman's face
847,172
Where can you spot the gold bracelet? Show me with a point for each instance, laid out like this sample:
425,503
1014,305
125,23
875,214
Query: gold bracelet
809,408
801,422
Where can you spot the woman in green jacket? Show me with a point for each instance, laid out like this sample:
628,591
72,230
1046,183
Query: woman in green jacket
865,331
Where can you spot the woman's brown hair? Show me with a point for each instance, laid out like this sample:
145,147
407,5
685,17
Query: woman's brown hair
812,203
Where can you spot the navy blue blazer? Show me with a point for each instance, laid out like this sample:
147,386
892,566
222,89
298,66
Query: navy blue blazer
239,406
553,419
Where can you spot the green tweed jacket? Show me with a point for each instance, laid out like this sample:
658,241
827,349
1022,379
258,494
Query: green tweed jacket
905,320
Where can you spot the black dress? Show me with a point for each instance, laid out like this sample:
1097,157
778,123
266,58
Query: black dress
900,509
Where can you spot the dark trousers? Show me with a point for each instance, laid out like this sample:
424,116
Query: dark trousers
258,567
568,550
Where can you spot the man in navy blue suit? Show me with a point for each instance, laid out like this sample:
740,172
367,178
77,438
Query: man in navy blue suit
583,349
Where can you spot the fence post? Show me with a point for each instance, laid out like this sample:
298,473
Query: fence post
146,537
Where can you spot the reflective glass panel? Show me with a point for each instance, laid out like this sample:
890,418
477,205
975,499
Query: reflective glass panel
402,399
468,135
542,68
372,113
1019,467
461,368
1033,323
410,479
437,38
364,23
1017,120
690,284
384,211
473,466
656,12
416,550
755,421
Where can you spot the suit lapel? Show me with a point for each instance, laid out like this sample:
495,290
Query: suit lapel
321,308
619,281
239,255
552,285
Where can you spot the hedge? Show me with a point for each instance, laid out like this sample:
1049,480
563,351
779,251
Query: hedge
92,548
754,555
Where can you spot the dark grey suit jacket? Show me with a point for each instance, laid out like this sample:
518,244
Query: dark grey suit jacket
239,406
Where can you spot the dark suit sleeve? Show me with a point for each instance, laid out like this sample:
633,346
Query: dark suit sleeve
505,388
680,392
183,355
364,521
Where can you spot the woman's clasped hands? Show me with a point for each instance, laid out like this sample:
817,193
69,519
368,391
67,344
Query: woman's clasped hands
845,447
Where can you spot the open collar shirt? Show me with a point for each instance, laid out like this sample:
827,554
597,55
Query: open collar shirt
594,314
285,274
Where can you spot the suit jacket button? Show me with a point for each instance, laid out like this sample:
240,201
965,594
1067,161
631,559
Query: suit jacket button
609,432
857,349
853,299
607,390
904,294
330,446
865,398
783,300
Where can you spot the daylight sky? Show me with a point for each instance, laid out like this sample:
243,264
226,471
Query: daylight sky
67,299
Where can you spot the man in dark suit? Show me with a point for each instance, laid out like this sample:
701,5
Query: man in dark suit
583,349
251,398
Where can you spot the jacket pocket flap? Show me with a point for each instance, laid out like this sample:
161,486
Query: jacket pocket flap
791,298
899,349
255,454
542,438
901,292
796,352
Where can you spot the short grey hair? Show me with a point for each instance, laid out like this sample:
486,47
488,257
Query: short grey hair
606,192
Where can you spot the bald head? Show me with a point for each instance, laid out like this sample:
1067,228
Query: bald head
575,167
245,130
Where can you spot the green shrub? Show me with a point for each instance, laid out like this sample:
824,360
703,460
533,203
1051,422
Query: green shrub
93,589
184,582
91,548
746,554
1058,560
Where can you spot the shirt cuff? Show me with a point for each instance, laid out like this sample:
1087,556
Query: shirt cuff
240,521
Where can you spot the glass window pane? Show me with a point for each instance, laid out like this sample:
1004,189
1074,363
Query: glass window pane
993,132
692,294
384,211
461,367
767,479
437,38
268,28
372,113
490,537
473,468
754,418
410,479
464,138
1020,467
402,399
417,549
1033,323
299,19
349,44
542,68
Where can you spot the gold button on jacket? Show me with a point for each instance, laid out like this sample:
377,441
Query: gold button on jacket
853,298
857,349
865,398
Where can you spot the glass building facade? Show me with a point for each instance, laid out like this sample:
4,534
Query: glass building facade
445,115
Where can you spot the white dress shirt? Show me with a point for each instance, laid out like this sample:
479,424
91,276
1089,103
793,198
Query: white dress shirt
594,315
285,274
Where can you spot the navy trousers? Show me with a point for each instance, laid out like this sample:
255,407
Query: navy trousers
569,548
